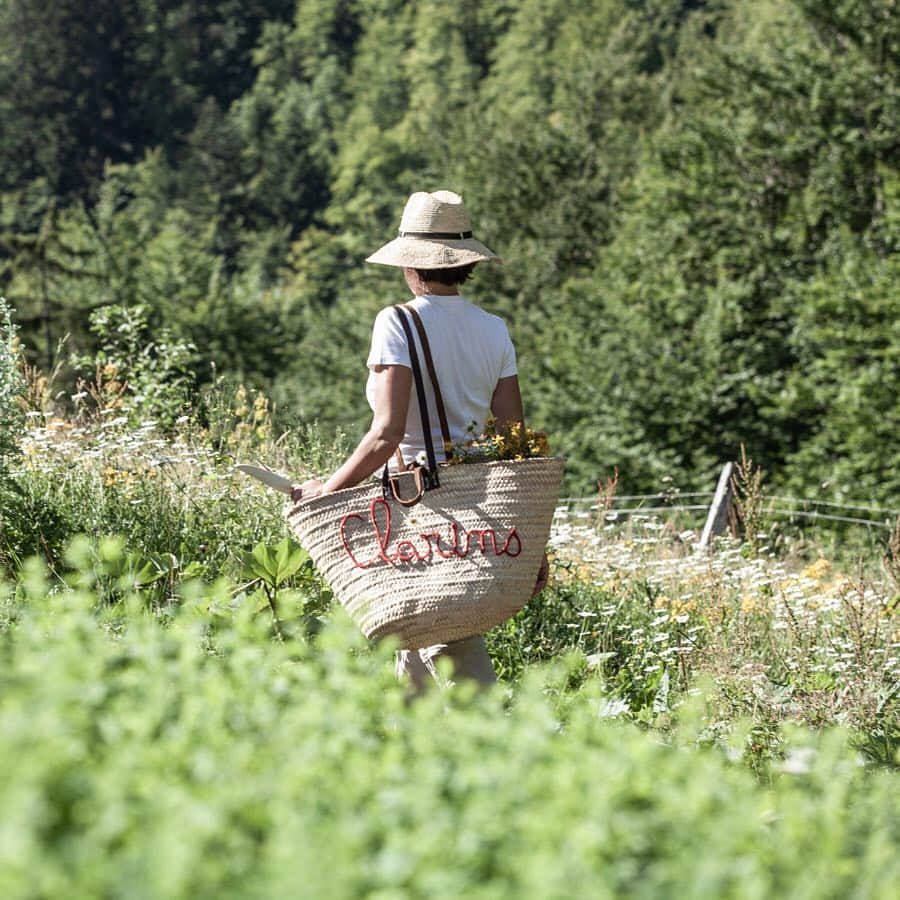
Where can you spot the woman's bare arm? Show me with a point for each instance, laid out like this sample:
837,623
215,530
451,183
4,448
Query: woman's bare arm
506,404
392,387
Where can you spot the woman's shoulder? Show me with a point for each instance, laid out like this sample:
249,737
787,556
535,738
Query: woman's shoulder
386,320
489,320
473,315
480,315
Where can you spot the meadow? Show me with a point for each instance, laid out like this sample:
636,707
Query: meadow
185,712
697,207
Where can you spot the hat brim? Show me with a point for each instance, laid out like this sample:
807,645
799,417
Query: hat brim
440,253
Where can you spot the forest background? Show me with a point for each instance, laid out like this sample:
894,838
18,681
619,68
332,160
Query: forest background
697,203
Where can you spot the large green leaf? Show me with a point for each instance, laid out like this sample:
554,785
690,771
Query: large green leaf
289,557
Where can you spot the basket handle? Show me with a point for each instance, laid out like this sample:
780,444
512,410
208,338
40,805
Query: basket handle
393,481
389,483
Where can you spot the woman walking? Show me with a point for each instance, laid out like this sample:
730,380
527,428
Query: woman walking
475,363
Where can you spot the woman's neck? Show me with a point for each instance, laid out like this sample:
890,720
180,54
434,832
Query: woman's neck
441,290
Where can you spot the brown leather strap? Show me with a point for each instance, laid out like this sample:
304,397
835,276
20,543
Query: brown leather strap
429,364
430,477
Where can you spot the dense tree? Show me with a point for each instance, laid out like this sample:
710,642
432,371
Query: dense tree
696,203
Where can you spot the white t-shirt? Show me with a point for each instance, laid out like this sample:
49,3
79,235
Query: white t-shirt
472,351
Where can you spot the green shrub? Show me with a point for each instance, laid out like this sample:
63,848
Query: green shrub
135,372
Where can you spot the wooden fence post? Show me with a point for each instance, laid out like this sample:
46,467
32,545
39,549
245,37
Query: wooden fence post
717,517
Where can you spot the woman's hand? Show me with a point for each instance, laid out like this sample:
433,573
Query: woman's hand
543,576
307,490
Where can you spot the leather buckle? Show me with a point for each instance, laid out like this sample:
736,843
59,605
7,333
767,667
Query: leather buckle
416,474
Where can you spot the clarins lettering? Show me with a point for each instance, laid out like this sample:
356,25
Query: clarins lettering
455,543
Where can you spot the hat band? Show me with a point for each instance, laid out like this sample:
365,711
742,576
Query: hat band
445,235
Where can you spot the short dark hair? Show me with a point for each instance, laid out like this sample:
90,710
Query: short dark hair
454,275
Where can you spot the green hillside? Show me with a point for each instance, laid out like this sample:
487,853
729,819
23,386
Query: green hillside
697,203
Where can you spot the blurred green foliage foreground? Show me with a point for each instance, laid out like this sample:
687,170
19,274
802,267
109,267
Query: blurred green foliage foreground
191,755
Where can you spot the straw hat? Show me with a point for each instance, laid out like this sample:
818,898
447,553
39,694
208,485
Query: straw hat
435,233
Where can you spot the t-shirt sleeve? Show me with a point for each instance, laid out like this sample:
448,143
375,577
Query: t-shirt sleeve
389,347
509,366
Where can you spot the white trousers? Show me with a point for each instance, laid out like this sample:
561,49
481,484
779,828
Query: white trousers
469,657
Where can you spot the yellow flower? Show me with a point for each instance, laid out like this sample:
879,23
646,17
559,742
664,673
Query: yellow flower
240,402
682,607
817,570
512,443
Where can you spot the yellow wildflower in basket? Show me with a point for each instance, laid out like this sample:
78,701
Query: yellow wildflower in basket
511,442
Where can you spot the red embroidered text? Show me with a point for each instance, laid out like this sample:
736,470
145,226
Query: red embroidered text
456,543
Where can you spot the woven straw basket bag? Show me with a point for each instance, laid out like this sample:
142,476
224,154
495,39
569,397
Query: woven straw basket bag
437,554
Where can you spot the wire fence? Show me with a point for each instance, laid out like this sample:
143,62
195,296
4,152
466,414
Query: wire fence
618,498
853,505
807,509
